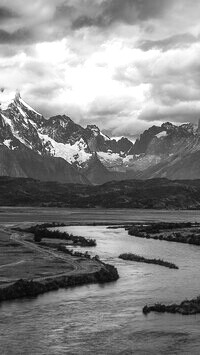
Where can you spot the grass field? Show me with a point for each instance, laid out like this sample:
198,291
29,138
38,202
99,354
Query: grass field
21,259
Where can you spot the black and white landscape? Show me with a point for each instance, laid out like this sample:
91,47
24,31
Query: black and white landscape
58,149
99,177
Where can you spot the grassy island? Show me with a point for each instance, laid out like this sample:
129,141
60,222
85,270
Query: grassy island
186,307
187,233
141,259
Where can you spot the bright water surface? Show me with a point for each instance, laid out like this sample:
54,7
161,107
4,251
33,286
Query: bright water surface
108,319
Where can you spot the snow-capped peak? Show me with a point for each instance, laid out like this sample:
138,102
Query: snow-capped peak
96,131
7,97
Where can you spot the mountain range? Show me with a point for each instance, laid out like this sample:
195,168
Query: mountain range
58,149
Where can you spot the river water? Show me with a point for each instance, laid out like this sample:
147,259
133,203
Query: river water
108,319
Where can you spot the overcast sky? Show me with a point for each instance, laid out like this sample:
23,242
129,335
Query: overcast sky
121,64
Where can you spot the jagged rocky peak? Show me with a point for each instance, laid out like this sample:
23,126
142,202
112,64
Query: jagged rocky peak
189,128
185,128
141,144
125,144
165,133
62,129
59,120
167,126
95,130
15,108
19,122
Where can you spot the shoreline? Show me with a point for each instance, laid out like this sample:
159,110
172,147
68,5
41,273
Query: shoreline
28,289
63,271
186,233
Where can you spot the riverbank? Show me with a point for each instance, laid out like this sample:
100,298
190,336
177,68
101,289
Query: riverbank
50,231
25,288
29,269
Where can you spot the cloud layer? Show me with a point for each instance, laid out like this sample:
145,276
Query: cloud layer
123,65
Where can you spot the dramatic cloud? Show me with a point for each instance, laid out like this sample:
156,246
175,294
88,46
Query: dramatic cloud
6,14
121,64
178,41
126,11
22,36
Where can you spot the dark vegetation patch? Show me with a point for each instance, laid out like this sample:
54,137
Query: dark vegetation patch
148,194
24,288
141,259
186,307
188,233
41,232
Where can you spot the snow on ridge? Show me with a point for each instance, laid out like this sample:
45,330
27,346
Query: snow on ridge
111,160
28,107
106,138
161,134
71,153
7,120
24,115
7,142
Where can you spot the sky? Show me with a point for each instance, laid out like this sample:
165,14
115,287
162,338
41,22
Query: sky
123,65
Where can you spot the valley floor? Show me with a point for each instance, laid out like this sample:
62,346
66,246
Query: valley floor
22,259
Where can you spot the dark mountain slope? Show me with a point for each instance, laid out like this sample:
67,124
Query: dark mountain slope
175,167
97,173
26,163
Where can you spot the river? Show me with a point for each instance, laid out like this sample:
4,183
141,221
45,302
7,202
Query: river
108,319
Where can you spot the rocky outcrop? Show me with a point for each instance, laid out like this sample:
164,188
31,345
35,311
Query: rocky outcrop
26,288
141,144
62,129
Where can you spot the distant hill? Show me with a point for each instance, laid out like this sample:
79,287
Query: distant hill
155,194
